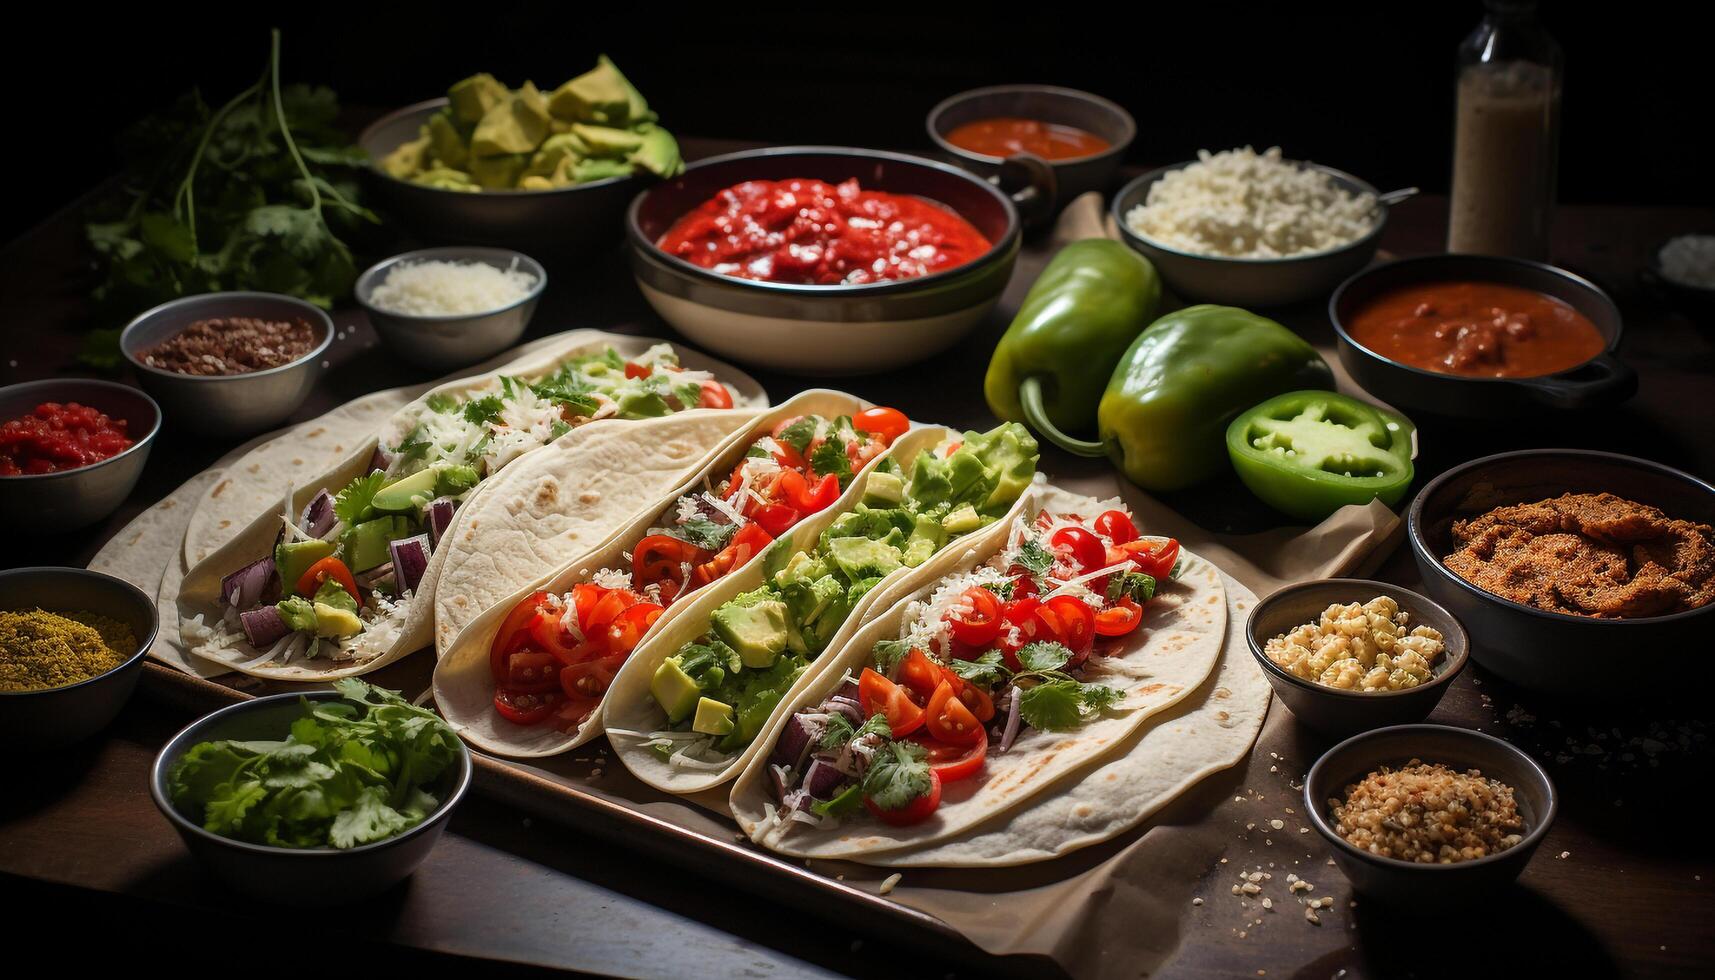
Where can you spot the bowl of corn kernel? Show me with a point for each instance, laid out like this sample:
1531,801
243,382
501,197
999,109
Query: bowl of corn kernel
1349,655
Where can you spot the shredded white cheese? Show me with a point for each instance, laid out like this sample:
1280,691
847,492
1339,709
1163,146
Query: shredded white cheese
438,288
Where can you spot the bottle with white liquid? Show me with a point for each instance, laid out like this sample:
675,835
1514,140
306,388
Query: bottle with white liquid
1506,141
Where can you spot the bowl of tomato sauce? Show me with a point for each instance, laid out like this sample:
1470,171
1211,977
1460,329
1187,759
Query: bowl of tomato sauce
823,260
71,450
1480,337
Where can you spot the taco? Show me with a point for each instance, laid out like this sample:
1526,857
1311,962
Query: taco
1032,658
330,585
526,677
685,711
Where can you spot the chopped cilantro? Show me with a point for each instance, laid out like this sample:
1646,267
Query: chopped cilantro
572,396
1044,655
706,534
1140,587
838,733
1061,704
1035,559
481,411
1002,589
830,457
888,653
442,403
414,447
799,434
897,775
352,505
985,671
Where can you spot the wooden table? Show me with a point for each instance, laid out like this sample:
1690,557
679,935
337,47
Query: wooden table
1614,888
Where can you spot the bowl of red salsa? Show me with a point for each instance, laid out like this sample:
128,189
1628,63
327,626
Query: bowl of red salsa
823,260
1480,337
71,451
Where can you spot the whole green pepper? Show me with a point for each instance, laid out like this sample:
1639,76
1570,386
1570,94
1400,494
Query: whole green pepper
1091,301
1309,453
1163,419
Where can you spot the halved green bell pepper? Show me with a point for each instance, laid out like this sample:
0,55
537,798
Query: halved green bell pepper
1309,453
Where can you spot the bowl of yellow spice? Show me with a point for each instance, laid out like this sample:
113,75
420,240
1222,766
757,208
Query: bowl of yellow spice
72,644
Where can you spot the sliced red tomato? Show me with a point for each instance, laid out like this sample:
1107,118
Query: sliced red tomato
1155,557
569,716
953,762
805,496
715,395
1116,526
919,675
776,519
513,633
881,696
888,423
1087,550
975,698
624,633
1023,586
328,568
591,678
749,542
659,559
916,811
976,619
584,597
1120,618
548,634
950,720
1077,622
634,370
531,672
607,609
524,709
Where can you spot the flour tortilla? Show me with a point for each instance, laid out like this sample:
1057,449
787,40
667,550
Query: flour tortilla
199,594
1210,731
629,712
1163,662
464,684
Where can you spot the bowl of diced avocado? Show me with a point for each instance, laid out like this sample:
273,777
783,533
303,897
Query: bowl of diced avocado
519,167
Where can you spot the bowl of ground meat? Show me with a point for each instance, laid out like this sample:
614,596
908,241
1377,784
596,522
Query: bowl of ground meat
1572,570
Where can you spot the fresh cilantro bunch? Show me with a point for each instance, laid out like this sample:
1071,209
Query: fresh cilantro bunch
350,772
259,193
1049,699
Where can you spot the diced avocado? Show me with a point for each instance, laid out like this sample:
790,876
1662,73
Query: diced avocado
584,171
447,179
883,490
561,146
817,634
365,546
405,494
674,690
807,599
926,539
787,564
334,621
929,484
1010,453
498,172
331,593
859,589
297,613
450,481
517,125
756,630
963,520
643,405
713,717
532,183
600,95
795,639
869,522
445,143
473,97
971,482
605,141
865,557
294,558
659,153
407,158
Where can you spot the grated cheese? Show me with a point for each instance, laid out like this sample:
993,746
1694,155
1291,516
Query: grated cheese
438,288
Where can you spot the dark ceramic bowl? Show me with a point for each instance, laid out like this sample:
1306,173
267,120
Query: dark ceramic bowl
1341,713
824,330
1430,886
299,876
1249,282
1572,657
46,503
1601,381
63,715
565,221
1044,103
441,343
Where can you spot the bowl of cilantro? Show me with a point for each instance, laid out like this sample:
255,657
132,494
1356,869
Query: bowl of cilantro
316,798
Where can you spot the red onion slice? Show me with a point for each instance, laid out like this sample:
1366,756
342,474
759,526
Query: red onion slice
439,515
1012,722
263,626
378,460
251,584
410,560
318,517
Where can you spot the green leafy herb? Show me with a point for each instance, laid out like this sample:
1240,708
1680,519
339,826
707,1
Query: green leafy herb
838,732
799,434
897,775
1061,704
985,671
569,392
442,403
706,534
888,653
1002,589
1138,586
1044,655
352,505
414,447
1035,559
830,457
481,411
875,724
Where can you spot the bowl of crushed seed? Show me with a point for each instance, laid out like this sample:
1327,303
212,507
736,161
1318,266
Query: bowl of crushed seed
229,364
1427,814
72,645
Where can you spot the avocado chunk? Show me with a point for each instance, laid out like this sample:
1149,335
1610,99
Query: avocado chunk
600,95
866,557
450,481
445,143
562,146
605,141
674,690
659,153
407,493
963,520
642,405
807,600
297,613
446,179
926,539
407,158
757,630
365,545
294,558
332,621
713,717
883,490
517,125
331,593
498,172
472,98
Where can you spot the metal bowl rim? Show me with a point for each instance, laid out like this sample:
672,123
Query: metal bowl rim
1117,148
359,293
136,444
1532,837
319,315
144,644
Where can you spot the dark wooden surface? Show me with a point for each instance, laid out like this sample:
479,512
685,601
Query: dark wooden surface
80,840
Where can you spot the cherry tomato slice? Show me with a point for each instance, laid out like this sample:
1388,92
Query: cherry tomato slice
1116,526
591,678
531,672
628,630
1077,622
806,497
715,395
328,568
953,762
950,720
612,603
633,370
1154,557
776,519
548,633
919,675
524,709
659,559
881,696
1120,618
976,699
512,634
976,619
1086,549
888,423
916,811
570,714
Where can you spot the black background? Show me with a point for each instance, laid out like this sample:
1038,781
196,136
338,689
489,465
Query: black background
1363,87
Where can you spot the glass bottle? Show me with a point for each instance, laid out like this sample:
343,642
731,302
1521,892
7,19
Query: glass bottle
1506,141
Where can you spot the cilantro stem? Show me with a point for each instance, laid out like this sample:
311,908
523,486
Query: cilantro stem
187,192
291,144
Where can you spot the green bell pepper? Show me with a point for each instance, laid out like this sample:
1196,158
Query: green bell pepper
1166,409
1309,453
1088,305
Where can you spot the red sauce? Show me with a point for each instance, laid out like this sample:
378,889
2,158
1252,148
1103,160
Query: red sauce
1005,136
809,231
1476,329
59,437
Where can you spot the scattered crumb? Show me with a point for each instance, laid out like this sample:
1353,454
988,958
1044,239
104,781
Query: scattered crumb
1565,854
888,882
1196,901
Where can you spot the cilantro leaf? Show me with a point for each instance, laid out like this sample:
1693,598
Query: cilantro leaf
481,411
571,394
799,434
1062,704
985,671
442,403
875,724
888,653
830,457
706,534
352,505
1035,559
1044,655
414,447
897,775
1002,589
1100,697
838,732
1137,585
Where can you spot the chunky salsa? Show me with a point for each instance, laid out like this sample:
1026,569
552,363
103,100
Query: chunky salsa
1476,329
58,437
1005,136
812,232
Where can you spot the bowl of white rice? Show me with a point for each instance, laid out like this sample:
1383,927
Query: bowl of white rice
1251,229
443,308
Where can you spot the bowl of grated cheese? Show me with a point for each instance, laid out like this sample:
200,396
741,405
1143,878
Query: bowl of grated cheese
443,308
1251,229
